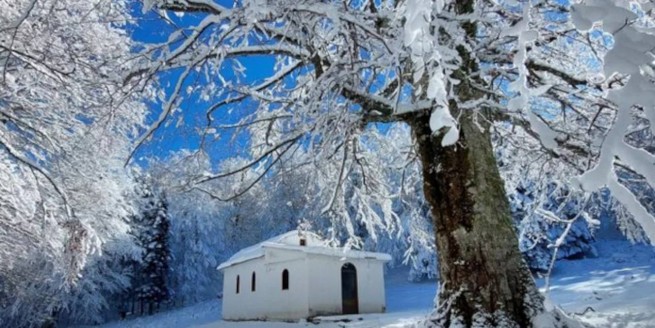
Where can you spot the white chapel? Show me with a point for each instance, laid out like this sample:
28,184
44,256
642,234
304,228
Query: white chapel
296,275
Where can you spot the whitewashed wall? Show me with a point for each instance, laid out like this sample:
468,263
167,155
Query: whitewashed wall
314,286
268,301
325,285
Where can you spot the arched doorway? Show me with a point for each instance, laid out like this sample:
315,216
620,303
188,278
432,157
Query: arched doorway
349,298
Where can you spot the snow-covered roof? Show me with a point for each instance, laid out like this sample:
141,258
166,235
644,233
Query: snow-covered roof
314,244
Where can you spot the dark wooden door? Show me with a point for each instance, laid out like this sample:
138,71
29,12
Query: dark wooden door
350,302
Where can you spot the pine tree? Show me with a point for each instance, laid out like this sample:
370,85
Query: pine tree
152,232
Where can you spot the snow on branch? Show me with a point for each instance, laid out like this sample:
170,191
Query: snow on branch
631,53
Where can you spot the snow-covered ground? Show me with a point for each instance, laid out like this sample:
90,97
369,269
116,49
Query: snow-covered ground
618,286
617,290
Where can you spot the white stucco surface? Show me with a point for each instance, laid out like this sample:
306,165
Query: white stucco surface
314,279
325,284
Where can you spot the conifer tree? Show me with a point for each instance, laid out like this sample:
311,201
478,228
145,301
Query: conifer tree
152,232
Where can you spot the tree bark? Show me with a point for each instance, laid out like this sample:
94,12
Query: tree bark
484,280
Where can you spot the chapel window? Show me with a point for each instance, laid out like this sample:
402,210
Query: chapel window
285,279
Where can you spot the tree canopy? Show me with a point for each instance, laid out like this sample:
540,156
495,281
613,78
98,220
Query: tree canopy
498,97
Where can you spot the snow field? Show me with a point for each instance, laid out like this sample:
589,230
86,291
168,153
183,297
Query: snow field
617,290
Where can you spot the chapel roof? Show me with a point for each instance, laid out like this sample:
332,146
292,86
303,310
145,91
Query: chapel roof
314,244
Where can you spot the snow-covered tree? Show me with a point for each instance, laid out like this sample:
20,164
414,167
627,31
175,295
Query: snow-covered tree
542,220
455,72
151,229
66,124
197,230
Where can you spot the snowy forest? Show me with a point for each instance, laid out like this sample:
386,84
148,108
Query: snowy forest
489,146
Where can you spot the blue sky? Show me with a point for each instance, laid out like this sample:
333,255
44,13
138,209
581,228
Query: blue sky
152,28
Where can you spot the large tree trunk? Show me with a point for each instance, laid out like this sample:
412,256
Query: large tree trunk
484,280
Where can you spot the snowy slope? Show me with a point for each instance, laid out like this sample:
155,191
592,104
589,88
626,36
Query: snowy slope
619,286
